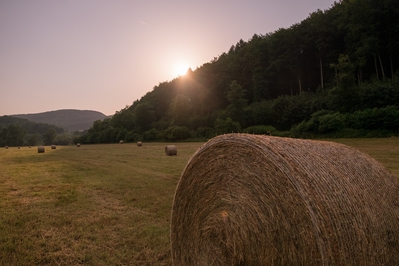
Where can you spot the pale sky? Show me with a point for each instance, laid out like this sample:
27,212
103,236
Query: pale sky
104,54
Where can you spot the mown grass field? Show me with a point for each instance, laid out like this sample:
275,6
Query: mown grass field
102,204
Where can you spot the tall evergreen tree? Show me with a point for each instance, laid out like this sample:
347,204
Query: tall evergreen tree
238,102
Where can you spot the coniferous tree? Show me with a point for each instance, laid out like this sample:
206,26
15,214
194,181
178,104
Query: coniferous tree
238,102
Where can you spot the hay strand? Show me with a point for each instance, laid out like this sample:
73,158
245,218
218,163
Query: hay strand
170,150
40,149
261,200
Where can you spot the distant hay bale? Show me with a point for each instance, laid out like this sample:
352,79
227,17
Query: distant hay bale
53,147
6,147
121,142
261,200
78,145
170,150
139,143
40,149
19,147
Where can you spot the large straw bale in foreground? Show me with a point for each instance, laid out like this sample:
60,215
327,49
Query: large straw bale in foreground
262,200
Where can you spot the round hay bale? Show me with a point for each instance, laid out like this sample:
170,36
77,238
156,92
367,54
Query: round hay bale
53,147
78,145
19,147
261,200
121,142
40,149
139,143
170,150
6,147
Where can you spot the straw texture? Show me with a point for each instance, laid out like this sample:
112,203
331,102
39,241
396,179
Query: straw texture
40,149
171,150
261,200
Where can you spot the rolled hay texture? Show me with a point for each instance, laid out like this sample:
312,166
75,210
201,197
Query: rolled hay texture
171,150
40,149
139,143
53,147
261,200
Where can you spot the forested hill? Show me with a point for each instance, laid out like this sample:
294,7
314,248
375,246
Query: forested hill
69,119
15,131
28,126
332,74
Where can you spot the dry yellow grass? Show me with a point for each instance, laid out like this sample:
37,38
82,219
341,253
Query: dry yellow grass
96,205
101,204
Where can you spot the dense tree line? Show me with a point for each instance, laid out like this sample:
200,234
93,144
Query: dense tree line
16,131
334,73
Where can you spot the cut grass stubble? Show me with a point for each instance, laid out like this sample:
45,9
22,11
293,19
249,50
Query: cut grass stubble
102,204
93,205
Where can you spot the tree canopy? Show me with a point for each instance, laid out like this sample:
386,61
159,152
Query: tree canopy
316,77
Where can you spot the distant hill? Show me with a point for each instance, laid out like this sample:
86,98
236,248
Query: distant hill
69,119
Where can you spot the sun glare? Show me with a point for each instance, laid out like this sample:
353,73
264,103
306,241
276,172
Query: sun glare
181,69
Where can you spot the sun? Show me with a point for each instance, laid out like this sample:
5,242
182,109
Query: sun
181,69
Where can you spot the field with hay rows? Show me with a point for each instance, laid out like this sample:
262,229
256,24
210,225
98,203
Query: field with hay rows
103,204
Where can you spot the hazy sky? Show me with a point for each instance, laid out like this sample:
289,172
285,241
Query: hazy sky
104,54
